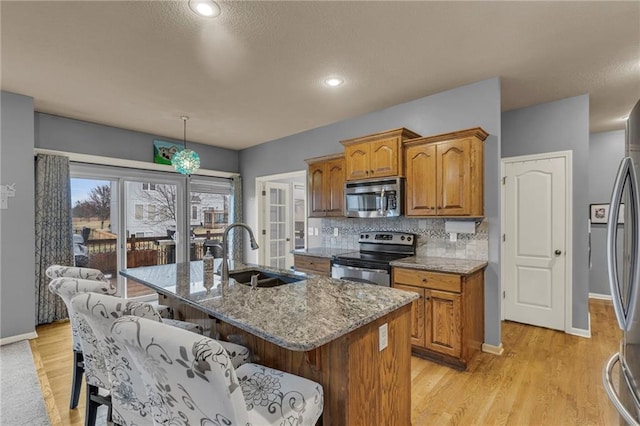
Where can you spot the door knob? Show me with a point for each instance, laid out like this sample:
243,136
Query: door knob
557,252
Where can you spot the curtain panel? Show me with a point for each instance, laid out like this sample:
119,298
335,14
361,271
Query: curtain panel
236,235
53,229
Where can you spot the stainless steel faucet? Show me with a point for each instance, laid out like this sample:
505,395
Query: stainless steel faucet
224,266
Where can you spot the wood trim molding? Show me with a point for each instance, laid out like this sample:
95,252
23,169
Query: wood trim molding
402,132
476,132
491,349
599,296
324,158
17,338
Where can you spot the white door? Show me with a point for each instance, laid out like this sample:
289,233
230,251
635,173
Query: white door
277,238
535,242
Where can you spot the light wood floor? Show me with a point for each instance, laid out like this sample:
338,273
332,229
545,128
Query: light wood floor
544,377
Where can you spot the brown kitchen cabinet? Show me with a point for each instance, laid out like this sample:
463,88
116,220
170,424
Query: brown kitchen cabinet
377,155
326,186
447,321
445,174
312,264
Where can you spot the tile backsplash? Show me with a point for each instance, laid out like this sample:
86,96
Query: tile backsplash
432,238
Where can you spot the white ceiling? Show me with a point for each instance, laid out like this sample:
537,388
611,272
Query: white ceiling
255,73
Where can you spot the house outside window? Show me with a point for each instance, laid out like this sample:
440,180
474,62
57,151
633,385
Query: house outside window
139,212
194,212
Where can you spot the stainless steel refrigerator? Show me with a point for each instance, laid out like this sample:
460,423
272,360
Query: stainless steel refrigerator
623,244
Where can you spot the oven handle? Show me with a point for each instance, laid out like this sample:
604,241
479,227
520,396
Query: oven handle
353,268
383,202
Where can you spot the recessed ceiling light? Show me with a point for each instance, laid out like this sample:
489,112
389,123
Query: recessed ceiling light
207,8
334,81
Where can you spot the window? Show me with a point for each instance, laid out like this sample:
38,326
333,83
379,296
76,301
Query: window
194,212
148,186
139,215
151,212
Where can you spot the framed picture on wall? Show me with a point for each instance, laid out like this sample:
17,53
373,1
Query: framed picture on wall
163,151
599,214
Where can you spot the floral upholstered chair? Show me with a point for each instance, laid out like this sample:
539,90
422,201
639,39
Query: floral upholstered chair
191,380
129,399
58,271
66,288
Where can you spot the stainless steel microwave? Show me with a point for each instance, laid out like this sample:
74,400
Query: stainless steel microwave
373,198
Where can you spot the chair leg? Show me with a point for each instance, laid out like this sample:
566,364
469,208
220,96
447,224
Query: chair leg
91,410
76,384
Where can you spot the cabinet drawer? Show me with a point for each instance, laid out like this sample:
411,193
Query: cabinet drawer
433,280
315,264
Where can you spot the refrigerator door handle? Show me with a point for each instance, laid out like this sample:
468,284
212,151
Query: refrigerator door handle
609,387
626,169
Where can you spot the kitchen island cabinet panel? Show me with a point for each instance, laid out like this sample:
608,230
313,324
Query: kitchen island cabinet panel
362,385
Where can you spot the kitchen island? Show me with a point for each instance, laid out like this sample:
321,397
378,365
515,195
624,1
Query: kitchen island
328,330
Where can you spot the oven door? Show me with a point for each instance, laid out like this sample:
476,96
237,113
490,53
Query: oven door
362,275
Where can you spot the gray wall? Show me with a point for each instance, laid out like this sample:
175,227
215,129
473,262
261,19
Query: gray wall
22,130
17,239
473,105
606,151
66,134
560,126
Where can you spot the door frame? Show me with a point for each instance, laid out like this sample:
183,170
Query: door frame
567,156
260,205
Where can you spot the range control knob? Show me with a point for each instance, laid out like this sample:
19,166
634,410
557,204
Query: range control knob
366,235
408,238
402,238
361,235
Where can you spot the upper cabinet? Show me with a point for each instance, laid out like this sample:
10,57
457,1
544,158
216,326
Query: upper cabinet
445,174
326,186
377,155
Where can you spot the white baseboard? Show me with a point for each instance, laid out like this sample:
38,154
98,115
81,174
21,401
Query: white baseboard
491,349
581,331
599,296
13,339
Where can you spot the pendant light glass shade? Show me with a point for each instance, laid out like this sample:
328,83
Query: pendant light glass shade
185,161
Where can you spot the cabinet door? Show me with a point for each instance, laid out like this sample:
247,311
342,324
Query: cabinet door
420,186
357,161
334,188
454,178
384,157
443,324
417,314
316,190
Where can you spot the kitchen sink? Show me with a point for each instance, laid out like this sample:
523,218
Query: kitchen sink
265,279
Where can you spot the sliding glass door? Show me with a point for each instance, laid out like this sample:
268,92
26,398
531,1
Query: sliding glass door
128,218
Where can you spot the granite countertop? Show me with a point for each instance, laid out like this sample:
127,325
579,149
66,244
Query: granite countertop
440,264
322,251
300,316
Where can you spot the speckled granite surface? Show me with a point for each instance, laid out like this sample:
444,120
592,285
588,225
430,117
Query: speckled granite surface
440,264
322,251
299,316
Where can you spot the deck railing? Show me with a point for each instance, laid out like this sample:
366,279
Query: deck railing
143,251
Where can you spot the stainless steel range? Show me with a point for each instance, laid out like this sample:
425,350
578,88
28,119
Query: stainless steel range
371,263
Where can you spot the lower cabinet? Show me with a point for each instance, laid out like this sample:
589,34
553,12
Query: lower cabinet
447,320
312,264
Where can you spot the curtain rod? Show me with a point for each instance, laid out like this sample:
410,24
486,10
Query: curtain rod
134,164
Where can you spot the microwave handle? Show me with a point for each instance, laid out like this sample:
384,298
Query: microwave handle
384,203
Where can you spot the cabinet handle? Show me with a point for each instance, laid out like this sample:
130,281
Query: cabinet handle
426,297
424,280
371,171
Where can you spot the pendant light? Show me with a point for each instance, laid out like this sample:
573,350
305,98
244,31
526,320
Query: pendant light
185,161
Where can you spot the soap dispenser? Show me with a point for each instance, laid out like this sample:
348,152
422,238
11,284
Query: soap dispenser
207,268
